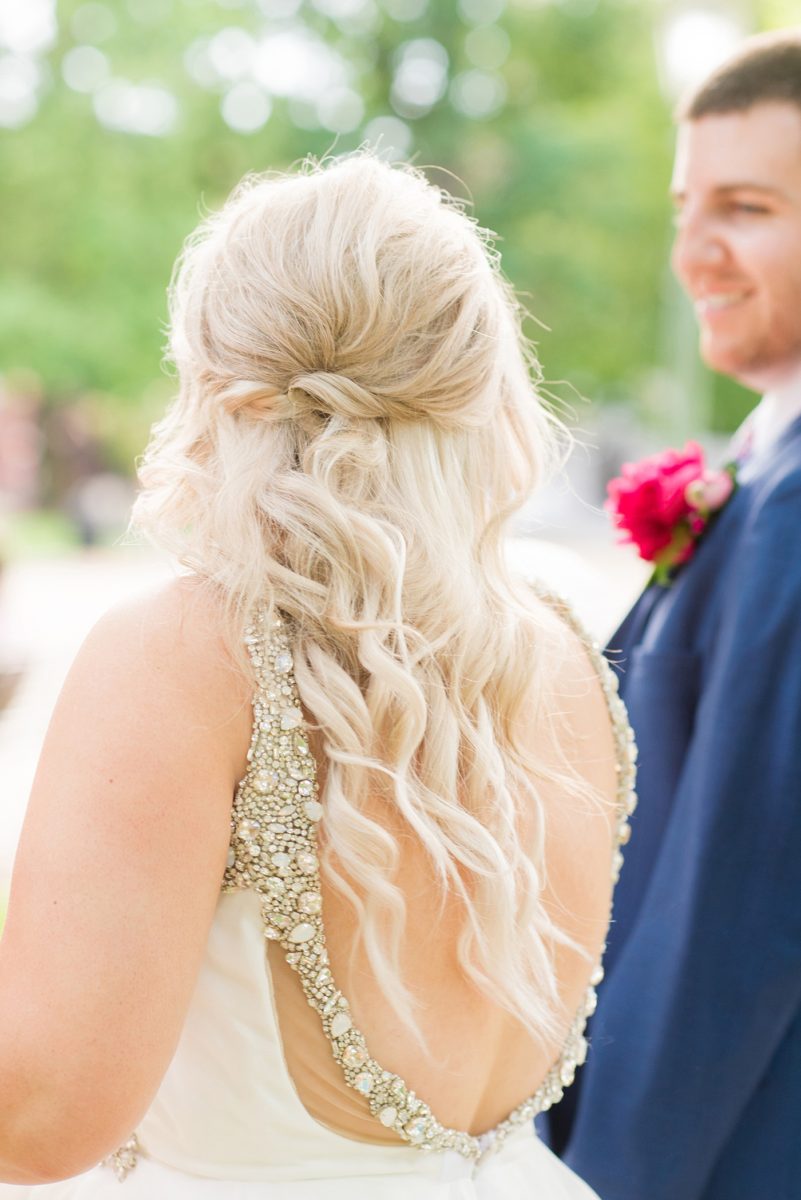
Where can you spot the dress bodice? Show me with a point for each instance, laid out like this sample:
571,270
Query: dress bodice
227,1106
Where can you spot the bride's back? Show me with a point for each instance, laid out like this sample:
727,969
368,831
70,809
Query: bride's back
478,1061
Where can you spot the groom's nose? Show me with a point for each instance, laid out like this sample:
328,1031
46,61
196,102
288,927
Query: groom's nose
698,246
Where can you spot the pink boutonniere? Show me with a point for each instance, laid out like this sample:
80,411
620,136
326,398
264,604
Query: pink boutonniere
664,503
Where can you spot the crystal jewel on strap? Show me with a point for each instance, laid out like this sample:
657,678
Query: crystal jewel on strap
417,1129
248,828
302,933
310,902
354,1056
123,1161
340,1024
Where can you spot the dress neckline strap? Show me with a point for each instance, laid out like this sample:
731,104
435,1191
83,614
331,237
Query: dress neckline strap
274,852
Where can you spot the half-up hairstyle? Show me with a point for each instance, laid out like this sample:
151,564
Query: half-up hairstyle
355,423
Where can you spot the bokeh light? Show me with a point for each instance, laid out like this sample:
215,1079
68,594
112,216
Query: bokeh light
390,138
340,110
478,94
20,78
487,46
245,107
85,68
28,27
481,12
198,64
421,77
353,16
693,42
296,62
145,108
230,53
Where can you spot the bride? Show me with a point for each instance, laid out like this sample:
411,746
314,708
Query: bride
317,867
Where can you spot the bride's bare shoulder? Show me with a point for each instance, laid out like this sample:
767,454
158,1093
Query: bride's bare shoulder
175,636
178,612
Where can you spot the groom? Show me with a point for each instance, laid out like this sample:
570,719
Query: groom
692,1088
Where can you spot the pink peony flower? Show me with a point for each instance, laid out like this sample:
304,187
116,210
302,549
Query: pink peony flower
649,498
662,504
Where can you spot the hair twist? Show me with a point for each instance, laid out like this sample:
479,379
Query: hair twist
315,394
333,395
260,401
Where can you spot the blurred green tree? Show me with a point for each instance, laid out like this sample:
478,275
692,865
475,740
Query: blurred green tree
139,114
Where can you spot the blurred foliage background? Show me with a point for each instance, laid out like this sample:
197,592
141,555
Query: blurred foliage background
122,120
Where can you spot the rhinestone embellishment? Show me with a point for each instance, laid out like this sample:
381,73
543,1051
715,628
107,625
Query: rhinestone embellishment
302,933
123,1160
364,1083
340,1025
354,1056
274,825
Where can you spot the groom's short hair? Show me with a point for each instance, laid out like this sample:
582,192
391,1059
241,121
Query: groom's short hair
767,69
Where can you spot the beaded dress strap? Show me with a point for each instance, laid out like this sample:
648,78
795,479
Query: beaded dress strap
274,853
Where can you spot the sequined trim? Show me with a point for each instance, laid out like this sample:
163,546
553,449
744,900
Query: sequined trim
274,852
123,1160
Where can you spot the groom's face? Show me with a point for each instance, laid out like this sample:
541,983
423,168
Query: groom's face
737,190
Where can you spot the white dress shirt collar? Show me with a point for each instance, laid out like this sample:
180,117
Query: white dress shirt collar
766,423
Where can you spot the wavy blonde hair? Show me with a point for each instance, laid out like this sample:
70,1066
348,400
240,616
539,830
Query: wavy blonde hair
355,423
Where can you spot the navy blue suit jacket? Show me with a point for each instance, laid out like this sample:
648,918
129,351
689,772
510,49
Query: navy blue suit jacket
692,1088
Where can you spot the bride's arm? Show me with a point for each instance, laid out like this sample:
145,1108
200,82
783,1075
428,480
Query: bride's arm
116,880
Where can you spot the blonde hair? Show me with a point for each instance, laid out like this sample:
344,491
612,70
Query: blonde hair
355,423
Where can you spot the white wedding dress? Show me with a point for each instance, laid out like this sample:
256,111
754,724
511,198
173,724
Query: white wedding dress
227,1122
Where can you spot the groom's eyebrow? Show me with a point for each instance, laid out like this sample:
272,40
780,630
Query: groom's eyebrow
750,185
740,185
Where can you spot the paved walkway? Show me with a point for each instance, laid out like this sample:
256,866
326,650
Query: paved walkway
47,608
